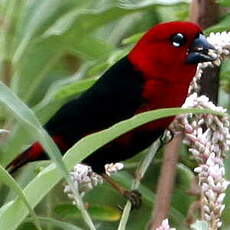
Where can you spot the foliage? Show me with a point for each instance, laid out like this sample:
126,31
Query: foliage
51,51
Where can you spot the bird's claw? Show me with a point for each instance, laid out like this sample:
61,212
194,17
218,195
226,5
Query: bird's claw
134,197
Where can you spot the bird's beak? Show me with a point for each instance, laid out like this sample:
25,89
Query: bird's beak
199,51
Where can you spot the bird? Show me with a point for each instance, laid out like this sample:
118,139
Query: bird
155,74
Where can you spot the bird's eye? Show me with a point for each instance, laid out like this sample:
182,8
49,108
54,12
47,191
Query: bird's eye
178,40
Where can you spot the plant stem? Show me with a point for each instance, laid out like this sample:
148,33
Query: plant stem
80,205
165,183
136,182
49,202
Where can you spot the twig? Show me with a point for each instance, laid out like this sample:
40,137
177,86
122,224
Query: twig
136,182
79,203
194,207
206,13
166,182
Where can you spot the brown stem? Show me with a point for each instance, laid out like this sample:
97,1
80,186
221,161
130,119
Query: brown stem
194,207
6,72
206,13
166,182
114,184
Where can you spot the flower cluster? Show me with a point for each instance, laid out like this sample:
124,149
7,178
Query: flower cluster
165,226
113,168
213,186
221,42
208,138
85,179
206,135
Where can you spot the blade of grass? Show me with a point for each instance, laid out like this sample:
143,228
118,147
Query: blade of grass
57,95
30,122
126,180
57,223
50,176
7,179
140,171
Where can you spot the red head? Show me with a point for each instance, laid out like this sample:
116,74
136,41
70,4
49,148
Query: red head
170,52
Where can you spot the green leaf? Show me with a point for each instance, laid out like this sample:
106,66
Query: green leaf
148,196
200,225
32,125
69,31
223,25
184,177
56,96
50,176
7,179
11,12
56,223
225,70
132,39
97,212
224,2
67,88
37,15
36,62
130,4
37,56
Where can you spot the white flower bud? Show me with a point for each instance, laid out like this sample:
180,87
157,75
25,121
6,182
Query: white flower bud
207,217
222,208
219,224
198,169
220,198
206,209
208,146
210,181
204,187
211,195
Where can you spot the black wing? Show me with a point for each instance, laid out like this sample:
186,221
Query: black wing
114,97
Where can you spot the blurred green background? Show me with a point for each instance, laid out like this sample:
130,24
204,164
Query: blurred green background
52,50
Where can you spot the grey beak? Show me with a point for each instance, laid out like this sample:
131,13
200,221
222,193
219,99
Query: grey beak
198,51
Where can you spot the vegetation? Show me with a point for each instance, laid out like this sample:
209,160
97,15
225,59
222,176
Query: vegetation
51,51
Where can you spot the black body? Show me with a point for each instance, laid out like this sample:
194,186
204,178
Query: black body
114,97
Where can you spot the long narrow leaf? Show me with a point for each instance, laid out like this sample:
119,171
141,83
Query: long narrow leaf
32,125
57,223
50,176
7,179
56,96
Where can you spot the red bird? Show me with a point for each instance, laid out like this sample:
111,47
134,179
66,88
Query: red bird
155,74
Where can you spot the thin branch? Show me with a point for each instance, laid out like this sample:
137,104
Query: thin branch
136,182
206,13
166,182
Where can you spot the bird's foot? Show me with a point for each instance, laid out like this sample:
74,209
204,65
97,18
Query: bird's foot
134,197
